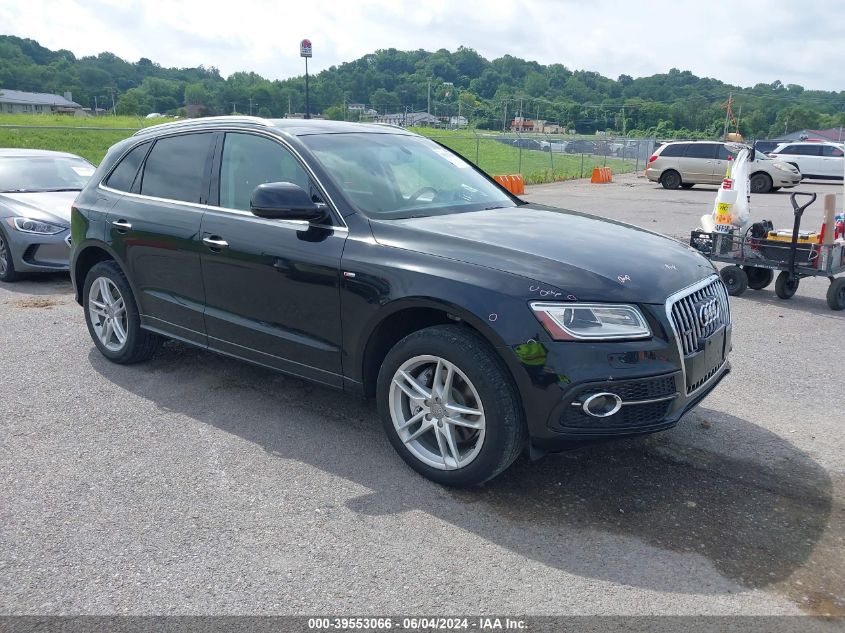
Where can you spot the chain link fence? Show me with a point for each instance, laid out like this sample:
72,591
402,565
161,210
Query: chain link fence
541,158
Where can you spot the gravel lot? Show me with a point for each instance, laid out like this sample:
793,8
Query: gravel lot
195,484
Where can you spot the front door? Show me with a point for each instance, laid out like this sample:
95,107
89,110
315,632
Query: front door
155,228
831,161
272,288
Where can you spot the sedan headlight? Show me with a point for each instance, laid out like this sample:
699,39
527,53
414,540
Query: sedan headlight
591,321
784,166
28,225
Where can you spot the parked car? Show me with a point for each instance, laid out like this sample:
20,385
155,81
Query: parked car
372,260
766,147
37,188
557,147
580,146
689,163
526,143
813,159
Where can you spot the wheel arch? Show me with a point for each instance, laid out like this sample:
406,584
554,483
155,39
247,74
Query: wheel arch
405,316
86,257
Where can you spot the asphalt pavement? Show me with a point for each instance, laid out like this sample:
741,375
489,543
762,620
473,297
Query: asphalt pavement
195,484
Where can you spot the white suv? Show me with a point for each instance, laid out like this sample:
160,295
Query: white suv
814,159
689,163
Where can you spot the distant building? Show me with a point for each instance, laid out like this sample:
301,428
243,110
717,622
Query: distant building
835,134
362,110
409,119
18,102
458,121
521,124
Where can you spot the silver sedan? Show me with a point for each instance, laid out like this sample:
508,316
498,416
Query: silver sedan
37,189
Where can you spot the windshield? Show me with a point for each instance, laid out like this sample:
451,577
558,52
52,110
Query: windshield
394,176
43,173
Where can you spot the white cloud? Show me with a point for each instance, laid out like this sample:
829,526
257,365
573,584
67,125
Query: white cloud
739,42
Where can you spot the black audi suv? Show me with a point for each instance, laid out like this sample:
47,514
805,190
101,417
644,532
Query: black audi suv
378,262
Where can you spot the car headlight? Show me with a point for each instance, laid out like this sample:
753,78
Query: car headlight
28,225
591,321
784,166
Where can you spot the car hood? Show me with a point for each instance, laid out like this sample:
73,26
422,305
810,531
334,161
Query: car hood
582,256
49,206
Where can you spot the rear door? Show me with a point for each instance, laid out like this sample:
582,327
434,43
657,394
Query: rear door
697,163
272,286
155,229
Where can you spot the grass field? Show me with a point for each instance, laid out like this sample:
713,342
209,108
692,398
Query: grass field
91,137
536,166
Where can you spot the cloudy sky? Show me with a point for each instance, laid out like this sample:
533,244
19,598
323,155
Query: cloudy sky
742,41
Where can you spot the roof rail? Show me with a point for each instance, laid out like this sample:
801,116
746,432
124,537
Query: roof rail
189,123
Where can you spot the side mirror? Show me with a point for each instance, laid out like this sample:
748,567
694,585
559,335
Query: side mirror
285,201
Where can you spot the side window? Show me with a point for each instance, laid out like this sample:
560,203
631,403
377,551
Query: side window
701,150
176,168
673,150
726,154
830,150
808,150
249,161
124,174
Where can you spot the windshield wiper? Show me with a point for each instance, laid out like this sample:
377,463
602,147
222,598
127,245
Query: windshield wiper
59,189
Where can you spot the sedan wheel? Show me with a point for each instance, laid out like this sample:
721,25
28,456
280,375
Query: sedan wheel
437,412
107,310
7,266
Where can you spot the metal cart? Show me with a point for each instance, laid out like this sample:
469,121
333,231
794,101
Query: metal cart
754,259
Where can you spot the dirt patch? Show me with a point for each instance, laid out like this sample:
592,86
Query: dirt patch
35,302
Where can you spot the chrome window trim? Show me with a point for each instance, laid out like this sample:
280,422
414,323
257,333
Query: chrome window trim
231,128
670,301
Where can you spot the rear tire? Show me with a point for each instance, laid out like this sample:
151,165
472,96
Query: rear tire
786,286
735,280
670,179
112,316
480,382
758,278
761,183
7,264
836,294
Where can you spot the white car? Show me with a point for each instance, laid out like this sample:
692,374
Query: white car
814,159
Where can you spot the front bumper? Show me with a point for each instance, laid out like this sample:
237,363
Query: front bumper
656,381
39,253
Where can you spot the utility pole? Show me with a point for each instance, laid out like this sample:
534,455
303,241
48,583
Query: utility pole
504,113
114,109
233,107
428,107
95,106
623,120
250,106
727,115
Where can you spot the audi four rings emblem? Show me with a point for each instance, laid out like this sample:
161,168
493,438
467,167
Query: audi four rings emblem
708,312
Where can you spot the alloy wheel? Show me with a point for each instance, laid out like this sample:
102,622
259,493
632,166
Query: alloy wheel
107,310
437,412
4,254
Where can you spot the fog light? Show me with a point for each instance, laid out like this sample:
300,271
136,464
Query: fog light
602,405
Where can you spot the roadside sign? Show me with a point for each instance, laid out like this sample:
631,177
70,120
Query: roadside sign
305,48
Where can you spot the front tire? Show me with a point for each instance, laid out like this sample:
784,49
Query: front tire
735,280
112,316
786,285
761,183
7,264
670,179
449,406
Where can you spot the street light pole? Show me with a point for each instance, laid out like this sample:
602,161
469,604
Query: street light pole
305,51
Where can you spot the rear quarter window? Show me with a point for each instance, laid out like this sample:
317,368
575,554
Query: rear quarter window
123,176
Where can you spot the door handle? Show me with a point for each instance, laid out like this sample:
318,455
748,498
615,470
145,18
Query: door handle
215,242
121,225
